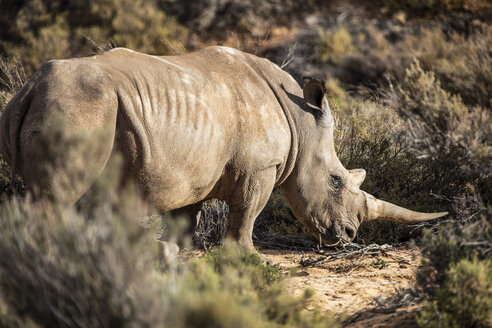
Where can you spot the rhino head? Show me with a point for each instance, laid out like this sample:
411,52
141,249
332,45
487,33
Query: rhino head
321,192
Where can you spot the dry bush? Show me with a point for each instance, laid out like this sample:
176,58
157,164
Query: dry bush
440,123
221,17
42,30
434,113
212,226
12,78
461,62
434,6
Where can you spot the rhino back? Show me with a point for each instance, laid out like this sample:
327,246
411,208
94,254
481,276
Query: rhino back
190,126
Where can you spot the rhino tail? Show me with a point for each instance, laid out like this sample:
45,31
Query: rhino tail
11,124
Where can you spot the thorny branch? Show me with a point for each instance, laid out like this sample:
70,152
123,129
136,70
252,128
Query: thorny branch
289,56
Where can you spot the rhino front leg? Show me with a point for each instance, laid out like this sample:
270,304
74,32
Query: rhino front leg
179,225
173,239
248,199
191,215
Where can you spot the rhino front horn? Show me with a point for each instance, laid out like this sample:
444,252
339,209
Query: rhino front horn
381,210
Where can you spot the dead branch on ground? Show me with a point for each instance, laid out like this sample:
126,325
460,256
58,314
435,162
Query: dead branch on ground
347,251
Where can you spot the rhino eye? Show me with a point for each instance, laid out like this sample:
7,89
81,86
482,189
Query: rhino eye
336,181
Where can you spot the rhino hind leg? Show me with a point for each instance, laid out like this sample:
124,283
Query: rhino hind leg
63,173
249,198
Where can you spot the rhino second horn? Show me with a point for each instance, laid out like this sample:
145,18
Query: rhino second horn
380,210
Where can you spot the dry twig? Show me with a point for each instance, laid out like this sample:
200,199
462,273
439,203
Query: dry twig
349,250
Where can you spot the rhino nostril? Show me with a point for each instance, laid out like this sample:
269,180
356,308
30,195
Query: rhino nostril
350,232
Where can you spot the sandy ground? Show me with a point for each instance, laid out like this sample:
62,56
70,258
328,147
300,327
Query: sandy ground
365,291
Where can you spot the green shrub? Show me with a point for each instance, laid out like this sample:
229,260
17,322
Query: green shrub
422,95
222,259
464,299
334,44
460,60
467,239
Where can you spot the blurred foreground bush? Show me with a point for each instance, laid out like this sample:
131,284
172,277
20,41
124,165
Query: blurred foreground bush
100,268
60,269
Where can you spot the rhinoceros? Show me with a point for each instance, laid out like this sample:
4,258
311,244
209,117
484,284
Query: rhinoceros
217,123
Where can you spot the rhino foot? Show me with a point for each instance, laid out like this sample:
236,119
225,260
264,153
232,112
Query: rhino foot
168,252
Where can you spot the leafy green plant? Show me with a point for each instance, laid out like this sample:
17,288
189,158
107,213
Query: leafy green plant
380,263
229,289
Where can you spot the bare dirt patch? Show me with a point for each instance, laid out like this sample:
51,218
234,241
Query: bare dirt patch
369,290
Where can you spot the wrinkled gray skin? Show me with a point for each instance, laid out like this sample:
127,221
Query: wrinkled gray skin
217,123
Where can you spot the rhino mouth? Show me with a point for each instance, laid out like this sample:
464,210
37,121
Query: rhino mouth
332,233
339,235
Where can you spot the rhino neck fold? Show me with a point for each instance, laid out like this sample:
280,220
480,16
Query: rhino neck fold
286,169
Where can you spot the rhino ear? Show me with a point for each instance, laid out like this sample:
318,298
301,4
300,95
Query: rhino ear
314,91
358,176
